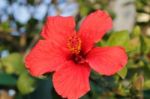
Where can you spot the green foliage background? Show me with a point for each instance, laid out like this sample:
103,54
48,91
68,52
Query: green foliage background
132,82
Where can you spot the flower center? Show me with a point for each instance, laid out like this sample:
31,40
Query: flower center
74,44
79,59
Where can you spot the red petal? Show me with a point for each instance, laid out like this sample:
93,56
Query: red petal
93,28
45,57
107,60
57,28
72,80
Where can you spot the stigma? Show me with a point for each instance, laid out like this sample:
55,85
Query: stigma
74,44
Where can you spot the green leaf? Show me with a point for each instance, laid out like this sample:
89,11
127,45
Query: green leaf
136,31
7,80
101,43
121,90
84,11
120,38
147,40
122,73
143,45
13,63
134,45
147,84
5,27
1,65
25,84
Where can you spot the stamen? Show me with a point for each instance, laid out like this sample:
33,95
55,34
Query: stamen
74,44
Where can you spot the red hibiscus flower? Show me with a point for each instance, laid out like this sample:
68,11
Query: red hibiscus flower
71,55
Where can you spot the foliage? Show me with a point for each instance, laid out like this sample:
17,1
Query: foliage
133,81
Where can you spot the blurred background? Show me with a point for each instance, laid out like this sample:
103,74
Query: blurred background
20,25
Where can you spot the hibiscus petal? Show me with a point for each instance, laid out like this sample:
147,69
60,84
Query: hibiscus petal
45,57
72,80
58,28
107,60
93,28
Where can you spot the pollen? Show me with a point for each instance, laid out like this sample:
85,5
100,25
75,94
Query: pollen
74,44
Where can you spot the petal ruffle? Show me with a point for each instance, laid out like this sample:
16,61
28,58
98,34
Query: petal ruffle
45,57
93,28
72,80
107,60
58,28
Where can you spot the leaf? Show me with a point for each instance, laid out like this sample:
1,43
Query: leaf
44,89
84,11
134,45
136,31
95,88
120,38
1,65
25,84
121,90
5,27
138,82
147,40
143,45
101,43
147,84
13,63
122,73
7,80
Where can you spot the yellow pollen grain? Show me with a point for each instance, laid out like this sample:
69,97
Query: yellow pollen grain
74,44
